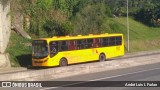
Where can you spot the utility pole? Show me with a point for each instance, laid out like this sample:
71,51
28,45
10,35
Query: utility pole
127,28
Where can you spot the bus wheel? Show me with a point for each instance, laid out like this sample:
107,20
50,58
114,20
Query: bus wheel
63,62
102,57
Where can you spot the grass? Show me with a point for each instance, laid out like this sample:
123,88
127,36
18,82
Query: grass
139,31
144,45
141,37
19,49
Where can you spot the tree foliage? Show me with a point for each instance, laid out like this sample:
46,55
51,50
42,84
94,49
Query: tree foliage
145,11
53,27
63,17
150,17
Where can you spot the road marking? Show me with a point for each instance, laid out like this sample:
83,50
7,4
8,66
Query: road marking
100,79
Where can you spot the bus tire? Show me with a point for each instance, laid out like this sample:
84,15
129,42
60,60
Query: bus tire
63,62
102,57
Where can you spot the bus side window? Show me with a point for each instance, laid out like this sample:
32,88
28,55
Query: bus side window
89,43
105,42
96,42
53,48
80,44
71,45
118,40
64,45
83,44
112,41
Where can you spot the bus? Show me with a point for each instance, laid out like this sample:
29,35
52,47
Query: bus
65,50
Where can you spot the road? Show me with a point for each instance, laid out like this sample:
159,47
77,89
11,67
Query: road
149,72
141,73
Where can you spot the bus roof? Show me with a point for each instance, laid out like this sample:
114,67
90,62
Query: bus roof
57,38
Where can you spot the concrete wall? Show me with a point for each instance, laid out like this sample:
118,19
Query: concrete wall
5,26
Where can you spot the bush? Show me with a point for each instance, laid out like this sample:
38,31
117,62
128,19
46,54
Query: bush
90,18
51,27
67,28
54,28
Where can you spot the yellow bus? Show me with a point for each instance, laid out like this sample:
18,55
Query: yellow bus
62,51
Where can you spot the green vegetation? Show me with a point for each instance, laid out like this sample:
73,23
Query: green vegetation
48,18
19,49
71,17
142,37
145,11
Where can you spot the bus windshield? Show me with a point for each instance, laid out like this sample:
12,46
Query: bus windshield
39,49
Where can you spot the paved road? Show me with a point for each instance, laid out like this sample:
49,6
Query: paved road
141,73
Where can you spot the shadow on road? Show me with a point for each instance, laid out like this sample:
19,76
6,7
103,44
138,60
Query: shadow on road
25,60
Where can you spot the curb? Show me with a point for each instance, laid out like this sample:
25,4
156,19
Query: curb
12,69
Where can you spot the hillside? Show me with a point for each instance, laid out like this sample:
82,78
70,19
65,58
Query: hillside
141,38
48,18
138,31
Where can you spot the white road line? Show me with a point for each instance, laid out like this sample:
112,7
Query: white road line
100,79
